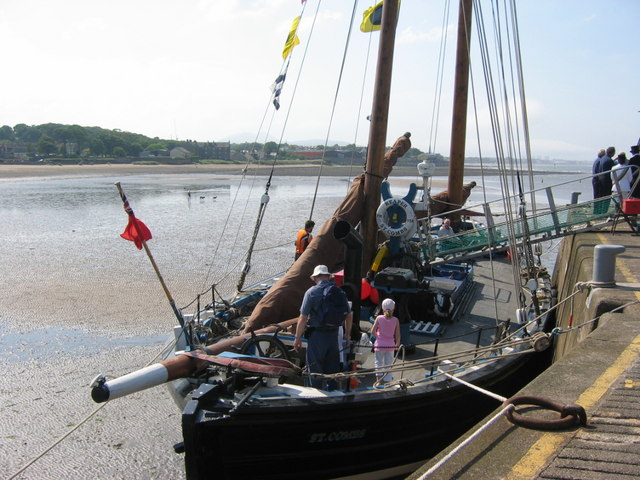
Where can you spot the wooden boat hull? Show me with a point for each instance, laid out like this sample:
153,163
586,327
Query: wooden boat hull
379,433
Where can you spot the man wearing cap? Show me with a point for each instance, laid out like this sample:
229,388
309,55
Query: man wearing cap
323,355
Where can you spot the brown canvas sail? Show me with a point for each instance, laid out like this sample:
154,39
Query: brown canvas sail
283,300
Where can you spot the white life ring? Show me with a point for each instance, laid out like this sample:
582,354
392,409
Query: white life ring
407,229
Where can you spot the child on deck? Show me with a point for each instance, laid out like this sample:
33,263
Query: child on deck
386,329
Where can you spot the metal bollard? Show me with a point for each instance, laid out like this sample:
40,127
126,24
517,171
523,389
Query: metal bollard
574,197
604,264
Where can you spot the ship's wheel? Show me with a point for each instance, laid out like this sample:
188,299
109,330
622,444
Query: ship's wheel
267,346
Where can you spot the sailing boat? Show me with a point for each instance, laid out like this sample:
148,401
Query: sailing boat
246,412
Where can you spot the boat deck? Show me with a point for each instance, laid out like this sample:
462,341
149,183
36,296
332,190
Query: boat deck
492,297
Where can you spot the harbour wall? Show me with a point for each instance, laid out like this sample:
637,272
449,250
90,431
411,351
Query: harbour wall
580,314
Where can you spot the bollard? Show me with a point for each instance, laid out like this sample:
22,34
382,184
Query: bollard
604,264
574,197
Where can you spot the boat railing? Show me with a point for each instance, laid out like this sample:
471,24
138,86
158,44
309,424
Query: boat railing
458,360
544,223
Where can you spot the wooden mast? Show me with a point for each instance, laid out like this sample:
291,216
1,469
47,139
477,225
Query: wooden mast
378,131
459,120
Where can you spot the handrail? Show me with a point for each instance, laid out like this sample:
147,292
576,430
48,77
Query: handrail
544,224
516,197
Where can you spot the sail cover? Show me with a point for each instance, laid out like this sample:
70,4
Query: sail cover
283,300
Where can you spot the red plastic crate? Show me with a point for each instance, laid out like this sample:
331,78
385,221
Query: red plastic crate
631,206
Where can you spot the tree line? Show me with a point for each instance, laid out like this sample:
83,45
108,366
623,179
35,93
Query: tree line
75,141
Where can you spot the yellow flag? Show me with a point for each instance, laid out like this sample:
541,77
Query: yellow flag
372,18
292,39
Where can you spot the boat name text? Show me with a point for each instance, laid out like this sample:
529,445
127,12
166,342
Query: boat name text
337,436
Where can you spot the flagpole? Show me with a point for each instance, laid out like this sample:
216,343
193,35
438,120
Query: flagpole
129,210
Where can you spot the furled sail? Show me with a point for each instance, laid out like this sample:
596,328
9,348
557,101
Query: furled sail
283,300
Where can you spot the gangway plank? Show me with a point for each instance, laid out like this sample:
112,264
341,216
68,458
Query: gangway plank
546,224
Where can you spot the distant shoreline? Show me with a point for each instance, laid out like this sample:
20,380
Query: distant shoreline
27,171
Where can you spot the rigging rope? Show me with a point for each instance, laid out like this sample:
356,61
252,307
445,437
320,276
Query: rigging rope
228,268
506,171
360,103
435,113
333,108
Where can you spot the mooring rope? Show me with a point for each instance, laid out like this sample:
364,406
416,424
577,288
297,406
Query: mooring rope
466,442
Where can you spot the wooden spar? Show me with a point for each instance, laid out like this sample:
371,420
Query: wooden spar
177,312
378,132
459,120
179,366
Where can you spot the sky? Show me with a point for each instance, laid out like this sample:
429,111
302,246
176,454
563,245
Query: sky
202,70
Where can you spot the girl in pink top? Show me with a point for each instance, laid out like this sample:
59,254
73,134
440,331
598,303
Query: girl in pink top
386,329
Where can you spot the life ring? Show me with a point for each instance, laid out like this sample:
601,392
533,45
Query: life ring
406,229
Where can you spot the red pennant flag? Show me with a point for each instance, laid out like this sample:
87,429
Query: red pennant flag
136,232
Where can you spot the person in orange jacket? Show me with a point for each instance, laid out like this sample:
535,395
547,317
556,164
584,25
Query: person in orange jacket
304,237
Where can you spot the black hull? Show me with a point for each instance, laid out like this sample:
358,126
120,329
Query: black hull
320,438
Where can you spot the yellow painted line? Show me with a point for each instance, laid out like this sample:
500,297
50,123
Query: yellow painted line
541,451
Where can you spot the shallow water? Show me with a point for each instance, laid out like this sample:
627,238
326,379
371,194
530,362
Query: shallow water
43,344
64,262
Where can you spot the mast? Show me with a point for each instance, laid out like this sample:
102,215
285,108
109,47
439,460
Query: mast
460,95
378,131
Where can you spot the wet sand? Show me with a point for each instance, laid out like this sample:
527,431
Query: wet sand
62,331
20,171
64,318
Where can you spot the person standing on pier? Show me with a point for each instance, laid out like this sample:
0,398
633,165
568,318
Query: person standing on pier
634,166
595,170
621,174
605,183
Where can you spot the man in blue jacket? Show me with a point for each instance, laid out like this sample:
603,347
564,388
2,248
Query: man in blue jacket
323,355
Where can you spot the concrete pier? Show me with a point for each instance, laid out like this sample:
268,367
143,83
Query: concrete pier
597,367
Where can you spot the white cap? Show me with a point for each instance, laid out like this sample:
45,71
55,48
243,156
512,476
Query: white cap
320,270
388,304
